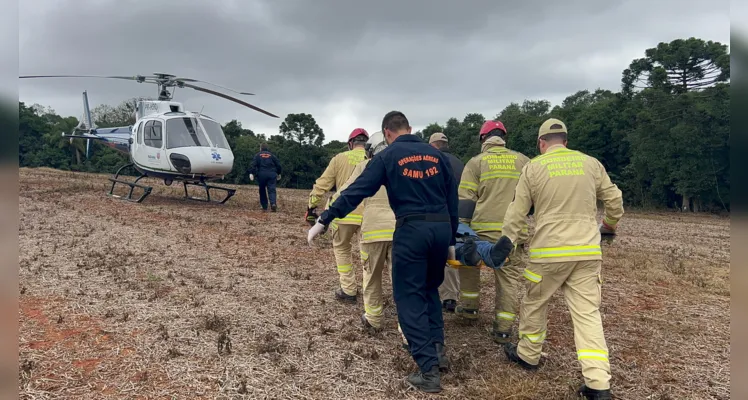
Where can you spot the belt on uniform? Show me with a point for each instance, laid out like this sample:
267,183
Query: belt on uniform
423,217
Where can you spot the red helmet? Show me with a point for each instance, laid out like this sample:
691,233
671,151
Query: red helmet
489,126
358,132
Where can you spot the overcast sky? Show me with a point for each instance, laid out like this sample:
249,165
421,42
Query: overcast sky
348,62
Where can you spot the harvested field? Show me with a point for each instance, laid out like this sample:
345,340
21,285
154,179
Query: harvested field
173,298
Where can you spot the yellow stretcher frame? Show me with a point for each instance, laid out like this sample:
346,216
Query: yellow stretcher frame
457,265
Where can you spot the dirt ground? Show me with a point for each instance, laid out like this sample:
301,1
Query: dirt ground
173,298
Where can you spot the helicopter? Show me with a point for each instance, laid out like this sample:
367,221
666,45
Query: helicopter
166,141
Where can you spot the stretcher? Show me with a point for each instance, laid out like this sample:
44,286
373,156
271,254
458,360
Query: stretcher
457,264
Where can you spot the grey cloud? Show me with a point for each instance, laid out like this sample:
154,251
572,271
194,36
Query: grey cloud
433,60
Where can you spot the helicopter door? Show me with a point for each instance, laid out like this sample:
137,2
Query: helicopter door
150,153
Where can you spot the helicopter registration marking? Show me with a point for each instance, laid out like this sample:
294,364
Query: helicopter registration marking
151,106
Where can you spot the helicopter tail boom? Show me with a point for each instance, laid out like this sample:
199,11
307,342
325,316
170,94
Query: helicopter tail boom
116,138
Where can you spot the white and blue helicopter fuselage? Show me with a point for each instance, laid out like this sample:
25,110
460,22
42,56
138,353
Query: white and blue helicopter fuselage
171,144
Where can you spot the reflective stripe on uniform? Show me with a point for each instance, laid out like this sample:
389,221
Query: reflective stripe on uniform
588,354
469,295
345,268
532,277
492,226
499,174
350,218
533,337
468,185
380,234
505,315
373,310
567,251
496,226
364,255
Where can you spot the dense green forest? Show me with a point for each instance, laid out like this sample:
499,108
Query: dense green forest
664,137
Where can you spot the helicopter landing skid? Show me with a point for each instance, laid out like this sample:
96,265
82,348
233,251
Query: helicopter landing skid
207,187
115,180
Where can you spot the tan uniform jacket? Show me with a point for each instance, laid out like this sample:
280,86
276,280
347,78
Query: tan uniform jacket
564,186
379,220
337,172
489,180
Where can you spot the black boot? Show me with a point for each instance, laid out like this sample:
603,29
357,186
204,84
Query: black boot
342,296
467,313
429,382
498,250
510,349
449,305
500,337
470,252
273,207
441,354
368,327
592,394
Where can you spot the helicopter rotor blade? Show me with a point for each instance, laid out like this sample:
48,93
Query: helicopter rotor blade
212,84
219,94
130,78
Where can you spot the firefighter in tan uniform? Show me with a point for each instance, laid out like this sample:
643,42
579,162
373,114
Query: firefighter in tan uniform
344,229
377,228
485,191
563,186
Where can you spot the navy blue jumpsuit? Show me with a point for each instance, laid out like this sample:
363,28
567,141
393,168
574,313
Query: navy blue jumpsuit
266,168
422,192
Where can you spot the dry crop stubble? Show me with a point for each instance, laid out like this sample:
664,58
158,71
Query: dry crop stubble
172,298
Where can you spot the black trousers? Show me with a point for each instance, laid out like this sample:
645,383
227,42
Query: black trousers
419,254
267,189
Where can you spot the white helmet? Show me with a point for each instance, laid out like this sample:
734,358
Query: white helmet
375,144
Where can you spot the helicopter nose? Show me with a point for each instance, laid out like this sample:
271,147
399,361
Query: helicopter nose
181,163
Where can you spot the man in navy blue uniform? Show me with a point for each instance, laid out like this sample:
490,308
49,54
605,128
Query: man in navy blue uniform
268,170
422,192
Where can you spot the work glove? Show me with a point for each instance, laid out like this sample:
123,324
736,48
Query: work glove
607,233
500,252
311,216
452,254
606,230
251,177
315,231
279,177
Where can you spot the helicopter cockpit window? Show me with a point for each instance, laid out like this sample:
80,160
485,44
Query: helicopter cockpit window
152,133
215,133
184,132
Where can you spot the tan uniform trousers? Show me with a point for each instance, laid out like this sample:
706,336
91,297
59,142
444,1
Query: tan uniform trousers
376,256
342,234
450,288
581,283
506,285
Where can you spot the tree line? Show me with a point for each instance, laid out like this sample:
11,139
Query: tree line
663,137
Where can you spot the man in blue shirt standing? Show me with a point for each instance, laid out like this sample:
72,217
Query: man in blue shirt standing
268,170
422,193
